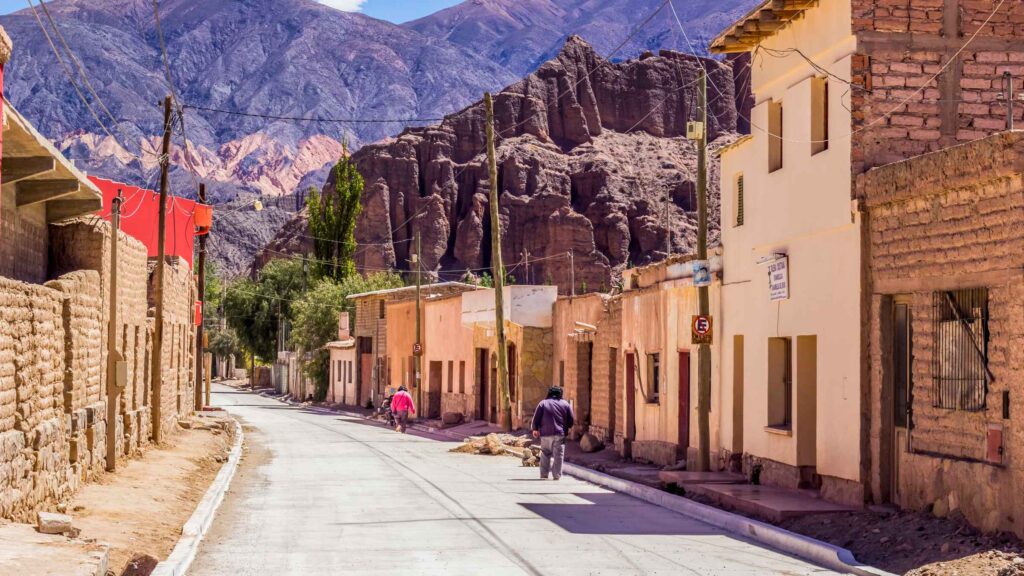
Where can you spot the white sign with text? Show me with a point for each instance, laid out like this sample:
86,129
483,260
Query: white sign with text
778,279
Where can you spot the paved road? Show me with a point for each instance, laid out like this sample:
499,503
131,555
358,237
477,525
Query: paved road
327,494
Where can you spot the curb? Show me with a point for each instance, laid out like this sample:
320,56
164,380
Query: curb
821,553
177,564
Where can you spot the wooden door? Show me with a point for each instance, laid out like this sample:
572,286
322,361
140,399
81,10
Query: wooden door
481,383
584,383
433,400
684,401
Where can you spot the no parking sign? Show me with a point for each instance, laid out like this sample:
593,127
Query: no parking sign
703,330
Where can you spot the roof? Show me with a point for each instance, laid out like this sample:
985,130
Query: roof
341,344
762,22
426,289
38,174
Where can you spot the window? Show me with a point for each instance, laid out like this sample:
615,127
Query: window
738,200
653,377
774,136
338,371
381,310
780,383
462,376
451,377
561,373
960,370
819,115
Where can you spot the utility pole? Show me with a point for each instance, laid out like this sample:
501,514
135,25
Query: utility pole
703,350
200,348
113,327
498,271
158,331
418,353
572,274
526,261
1008,80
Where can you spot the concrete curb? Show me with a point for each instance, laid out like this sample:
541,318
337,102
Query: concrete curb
178,563
821,553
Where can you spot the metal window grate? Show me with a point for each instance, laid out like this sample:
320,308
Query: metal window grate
739,200
960,370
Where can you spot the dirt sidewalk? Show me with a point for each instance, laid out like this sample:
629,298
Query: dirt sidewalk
140,509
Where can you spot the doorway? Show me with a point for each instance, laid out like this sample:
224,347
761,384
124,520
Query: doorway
481,383
683,440
897,392
613,376
630,403
492,390
584,383
434,390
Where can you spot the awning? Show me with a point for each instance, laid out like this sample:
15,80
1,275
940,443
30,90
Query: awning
38,173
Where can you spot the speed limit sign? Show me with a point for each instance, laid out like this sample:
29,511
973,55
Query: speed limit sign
703,330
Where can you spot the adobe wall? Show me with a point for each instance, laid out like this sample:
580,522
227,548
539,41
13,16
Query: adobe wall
947,221
25,240
34,466
962,104
84,244
178,350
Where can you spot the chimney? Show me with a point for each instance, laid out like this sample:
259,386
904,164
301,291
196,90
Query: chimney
343,329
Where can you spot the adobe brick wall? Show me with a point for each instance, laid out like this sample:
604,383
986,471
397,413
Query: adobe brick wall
901,45
33,450
944,221
84,244
178,351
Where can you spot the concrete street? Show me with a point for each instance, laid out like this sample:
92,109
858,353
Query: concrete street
328,494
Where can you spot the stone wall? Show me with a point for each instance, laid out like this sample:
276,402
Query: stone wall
33,443
946,221
899,111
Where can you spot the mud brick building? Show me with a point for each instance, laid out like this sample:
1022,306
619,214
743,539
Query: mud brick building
946,263
587,361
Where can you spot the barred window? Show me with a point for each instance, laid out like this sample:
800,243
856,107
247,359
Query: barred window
739,200
960,371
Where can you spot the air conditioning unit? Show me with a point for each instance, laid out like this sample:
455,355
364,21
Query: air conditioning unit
694,130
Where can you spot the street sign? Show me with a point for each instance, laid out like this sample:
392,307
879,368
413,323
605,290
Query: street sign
417,349
778,279
701,273
703,330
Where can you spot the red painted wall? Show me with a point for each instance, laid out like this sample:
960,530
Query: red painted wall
140,217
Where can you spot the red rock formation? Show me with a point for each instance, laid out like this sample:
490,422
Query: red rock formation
592,159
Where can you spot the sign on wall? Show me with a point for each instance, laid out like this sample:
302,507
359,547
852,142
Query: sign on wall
778,279
701,273
703,330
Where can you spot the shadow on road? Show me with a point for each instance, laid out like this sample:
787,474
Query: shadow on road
615,514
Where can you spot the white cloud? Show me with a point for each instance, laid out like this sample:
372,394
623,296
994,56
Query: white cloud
346,5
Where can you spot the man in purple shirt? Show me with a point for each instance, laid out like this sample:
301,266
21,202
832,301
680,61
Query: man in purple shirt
551,423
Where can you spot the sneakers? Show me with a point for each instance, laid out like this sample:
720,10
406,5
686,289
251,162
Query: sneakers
557,478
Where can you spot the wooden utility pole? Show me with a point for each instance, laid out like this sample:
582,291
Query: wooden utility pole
498,271
418,353
703,350
200,348
113,327
158,290
572,273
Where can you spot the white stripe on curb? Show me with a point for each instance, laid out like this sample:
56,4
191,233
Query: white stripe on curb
177,564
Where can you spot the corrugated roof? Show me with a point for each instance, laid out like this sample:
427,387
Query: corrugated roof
425,289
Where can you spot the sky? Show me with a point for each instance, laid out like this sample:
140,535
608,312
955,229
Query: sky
397,11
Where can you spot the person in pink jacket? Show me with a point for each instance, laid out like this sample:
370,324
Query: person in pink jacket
401,406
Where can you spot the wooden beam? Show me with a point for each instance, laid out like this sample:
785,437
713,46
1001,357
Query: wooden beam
16,168
31,192
67,208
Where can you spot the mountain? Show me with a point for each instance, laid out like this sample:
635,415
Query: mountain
522,34
594,171
264,57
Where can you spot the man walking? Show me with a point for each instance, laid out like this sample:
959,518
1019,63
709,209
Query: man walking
551,423
401,405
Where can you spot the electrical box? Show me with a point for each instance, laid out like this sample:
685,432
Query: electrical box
694,130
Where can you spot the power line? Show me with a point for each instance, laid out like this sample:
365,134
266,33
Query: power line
311,119
953,58
174,95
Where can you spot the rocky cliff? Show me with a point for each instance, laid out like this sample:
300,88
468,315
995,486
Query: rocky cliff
593,162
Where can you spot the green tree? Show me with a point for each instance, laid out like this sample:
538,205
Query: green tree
255,308
332,222
315,318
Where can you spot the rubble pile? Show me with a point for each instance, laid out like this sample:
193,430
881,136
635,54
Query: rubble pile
991,563
501,444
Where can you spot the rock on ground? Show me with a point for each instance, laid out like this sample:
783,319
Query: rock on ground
590,443
52,523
